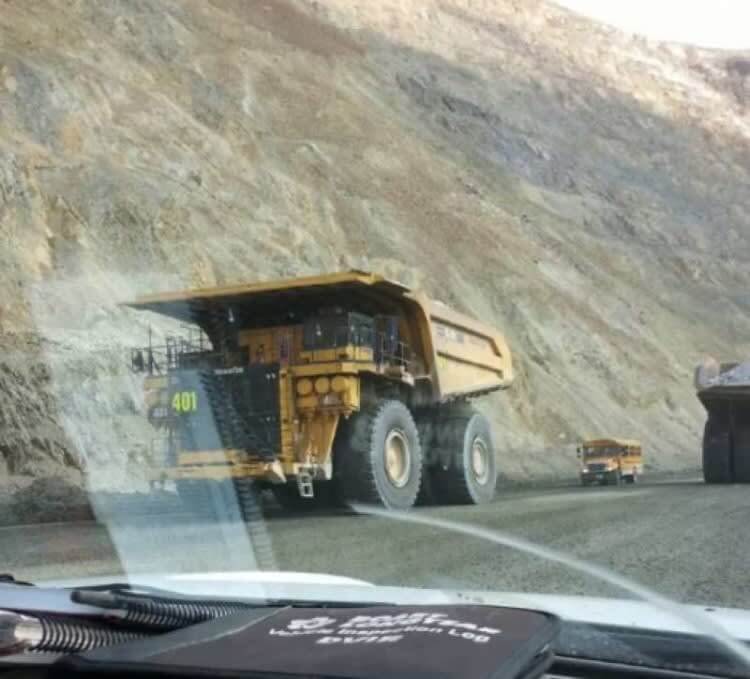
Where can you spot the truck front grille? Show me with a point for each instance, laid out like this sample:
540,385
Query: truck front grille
234,408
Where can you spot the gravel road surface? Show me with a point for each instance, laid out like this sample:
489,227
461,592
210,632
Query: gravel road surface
685,539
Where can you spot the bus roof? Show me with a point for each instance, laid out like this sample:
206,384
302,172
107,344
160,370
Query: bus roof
630,443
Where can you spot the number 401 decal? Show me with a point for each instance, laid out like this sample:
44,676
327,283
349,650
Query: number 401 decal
185,401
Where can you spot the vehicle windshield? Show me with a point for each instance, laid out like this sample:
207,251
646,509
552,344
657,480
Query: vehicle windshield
266,267
602,451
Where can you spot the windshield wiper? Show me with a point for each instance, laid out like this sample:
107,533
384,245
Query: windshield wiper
126,613
160,612
20,633
164,610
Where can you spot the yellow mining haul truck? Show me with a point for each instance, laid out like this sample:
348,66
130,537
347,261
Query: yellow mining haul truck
345,381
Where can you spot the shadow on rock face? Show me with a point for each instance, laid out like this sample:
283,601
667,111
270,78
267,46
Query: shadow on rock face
44,500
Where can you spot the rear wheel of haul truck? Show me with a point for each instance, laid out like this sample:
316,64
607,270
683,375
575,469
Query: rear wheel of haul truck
378,456
741,446
426,428
470,475
717,450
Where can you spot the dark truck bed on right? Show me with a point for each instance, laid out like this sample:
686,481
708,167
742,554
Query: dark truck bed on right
724,390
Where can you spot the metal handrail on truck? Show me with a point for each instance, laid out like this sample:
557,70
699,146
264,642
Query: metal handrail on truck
176,352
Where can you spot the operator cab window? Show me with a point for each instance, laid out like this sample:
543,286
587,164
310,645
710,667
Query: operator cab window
338,330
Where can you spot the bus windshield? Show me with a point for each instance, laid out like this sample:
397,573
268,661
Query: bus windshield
601,451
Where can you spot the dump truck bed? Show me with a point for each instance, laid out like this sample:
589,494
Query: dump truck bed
714,380
460,355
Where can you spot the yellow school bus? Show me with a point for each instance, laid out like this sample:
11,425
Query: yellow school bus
610,461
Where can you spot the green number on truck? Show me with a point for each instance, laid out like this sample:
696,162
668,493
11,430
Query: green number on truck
185,402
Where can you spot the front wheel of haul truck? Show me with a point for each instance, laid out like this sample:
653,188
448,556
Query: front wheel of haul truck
378,456
742,456
717,451
466,472
741,443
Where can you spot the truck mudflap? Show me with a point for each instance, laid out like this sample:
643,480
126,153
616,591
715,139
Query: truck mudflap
228,408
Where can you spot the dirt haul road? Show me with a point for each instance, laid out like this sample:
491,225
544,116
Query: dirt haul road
680,538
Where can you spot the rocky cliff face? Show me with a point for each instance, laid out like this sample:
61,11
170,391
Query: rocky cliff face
586,191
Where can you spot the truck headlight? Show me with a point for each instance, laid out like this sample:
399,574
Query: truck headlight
340,383
304,386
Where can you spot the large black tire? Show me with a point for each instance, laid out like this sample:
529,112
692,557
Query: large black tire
741,451
426,429
469,474
366,471
717,452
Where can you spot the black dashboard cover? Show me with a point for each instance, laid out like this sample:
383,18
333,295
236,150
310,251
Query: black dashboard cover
469,641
